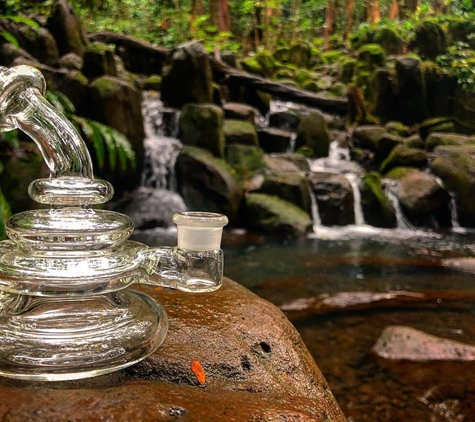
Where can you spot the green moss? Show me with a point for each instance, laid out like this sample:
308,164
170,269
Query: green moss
106,86
400,172
389,40
372,180
246,160
372,54
332,56
99,48
153,82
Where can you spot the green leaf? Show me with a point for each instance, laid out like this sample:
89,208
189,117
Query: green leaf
23,19
10,38
110,145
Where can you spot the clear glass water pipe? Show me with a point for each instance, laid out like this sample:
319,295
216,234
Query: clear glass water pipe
65,312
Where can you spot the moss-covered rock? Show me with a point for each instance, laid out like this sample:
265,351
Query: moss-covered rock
334,196
293,187
99,60
66,28
239,132
372,55
246,160
402,155
152,83
286,162
187,76
436,139
118,104
332,56
397,128
300,54
274,140
411,102
240,111
202,125
440,88
207,183
424,201
281,54
346,69
381,96
261,64
389,40
368,136
430,40
75,86
339,89
456,167
273,216
436,124
377,208
313,133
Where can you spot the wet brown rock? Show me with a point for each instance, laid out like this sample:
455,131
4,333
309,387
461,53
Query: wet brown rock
256,364
407,343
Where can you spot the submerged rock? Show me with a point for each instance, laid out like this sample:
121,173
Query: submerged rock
405,343
254,371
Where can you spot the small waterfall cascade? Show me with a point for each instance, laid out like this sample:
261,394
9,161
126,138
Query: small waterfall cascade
390,190
453,213
338,162
317,221
161,151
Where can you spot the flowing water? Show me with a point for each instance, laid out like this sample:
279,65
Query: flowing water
354,260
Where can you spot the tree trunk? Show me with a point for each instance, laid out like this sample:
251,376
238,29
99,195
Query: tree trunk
350,8
394,12
329,24
224,19
213,12
373,14
197,10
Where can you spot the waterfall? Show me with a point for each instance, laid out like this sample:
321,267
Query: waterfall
317,221
338,162
358,209
390,188
453,212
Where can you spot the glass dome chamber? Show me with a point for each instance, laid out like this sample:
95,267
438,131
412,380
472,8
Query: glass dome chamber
65,310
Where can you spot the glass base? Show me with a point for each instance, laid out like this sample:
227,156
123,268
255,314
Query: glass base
54,339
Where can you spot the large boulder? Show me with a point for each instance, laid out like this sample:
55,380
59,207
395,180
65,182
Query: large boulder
246,160
38,42
404,156
118,104
389,40
255,363
313,133
67,29
290,186
436,139
411,102
334,196
202,125
456,167
207,183
271,215
430,40
187,76
424,201
239,132
240,111
74,85
368,136
99,60
300,54
273,140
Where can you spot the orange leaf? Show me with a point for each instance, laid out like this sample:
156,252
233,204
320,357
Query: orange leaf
158,289
199,372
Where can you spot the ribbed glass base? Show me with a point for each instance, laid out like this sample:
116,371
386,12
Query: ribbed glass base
53,339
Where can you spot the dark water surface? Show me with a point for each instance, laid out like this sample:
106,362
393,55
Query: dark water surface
369,388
